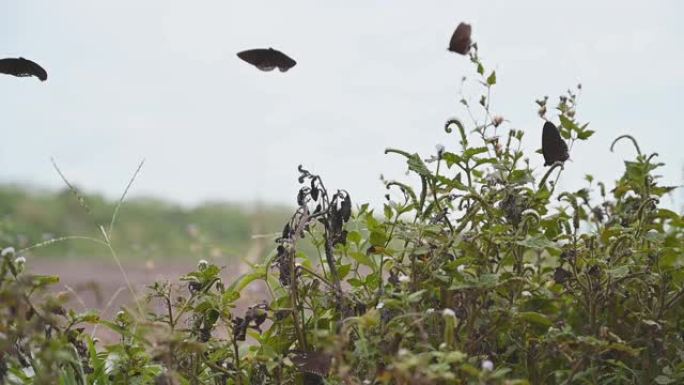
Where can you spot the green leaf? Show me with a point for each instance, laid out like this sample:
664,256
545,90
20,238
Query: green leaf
388,211
469,153
344,270
450,158
230,296
491,79
488,281
520,177
89,317
378,238
583,135
454,183
416,296
538,242
362,258
667,214
417,165
569,124
664,380
354,237
619,271
535,318
44,280
244,280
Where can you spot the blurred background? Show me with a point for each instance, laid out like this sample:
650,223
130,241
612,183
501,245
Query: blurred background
160,80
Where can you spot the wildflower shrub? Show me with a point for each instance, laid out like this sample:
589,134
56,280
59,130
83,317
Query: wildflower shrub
482,273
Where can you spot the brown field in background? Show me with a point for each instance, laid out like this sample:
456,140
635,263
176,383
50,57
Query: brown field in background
98,284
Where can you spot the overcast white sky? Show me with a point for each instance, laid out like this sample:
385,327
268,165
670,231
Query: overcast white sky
133,79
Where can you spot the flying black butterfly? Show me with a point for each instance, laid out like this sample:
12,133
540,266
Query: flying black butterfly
460,40
22,67
266,59
554,147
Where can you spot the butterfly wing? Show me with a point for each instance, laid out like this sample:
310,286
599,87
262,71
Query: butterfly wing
267,59
317,363
283,61
554,147
460,40
257,57
21,67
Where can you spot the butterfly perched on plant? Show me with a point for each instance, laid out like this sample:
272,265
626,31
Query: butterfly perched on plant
314,365
554,147
460,40
266,59
21,67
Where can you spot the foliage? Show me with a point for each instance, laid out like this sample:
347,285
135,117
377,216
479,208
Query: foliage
480,274
154,228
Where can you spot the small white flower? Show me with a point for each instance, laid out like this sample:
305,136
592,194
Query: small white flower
448,313
366,382
430,311
487,365
7,251
461,268
120,314
202,264
20,260
404,278
403,352
380,305
440,148
110,362
526,293
28,372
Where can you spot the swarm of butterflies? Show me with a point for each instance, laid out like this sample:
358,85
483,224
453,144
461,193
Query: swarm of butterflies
554,147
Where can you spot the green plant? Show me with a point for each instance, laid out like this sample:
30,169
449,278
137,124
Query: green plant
480,274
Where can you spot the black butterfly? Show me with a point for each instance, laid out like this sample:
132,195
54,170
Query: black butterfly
460,40
22,67
554,147
267,59
317,363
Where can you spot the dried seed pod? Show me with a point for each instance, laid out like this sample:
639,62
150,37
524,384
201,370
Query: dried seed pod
301,196
345,208
286,231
